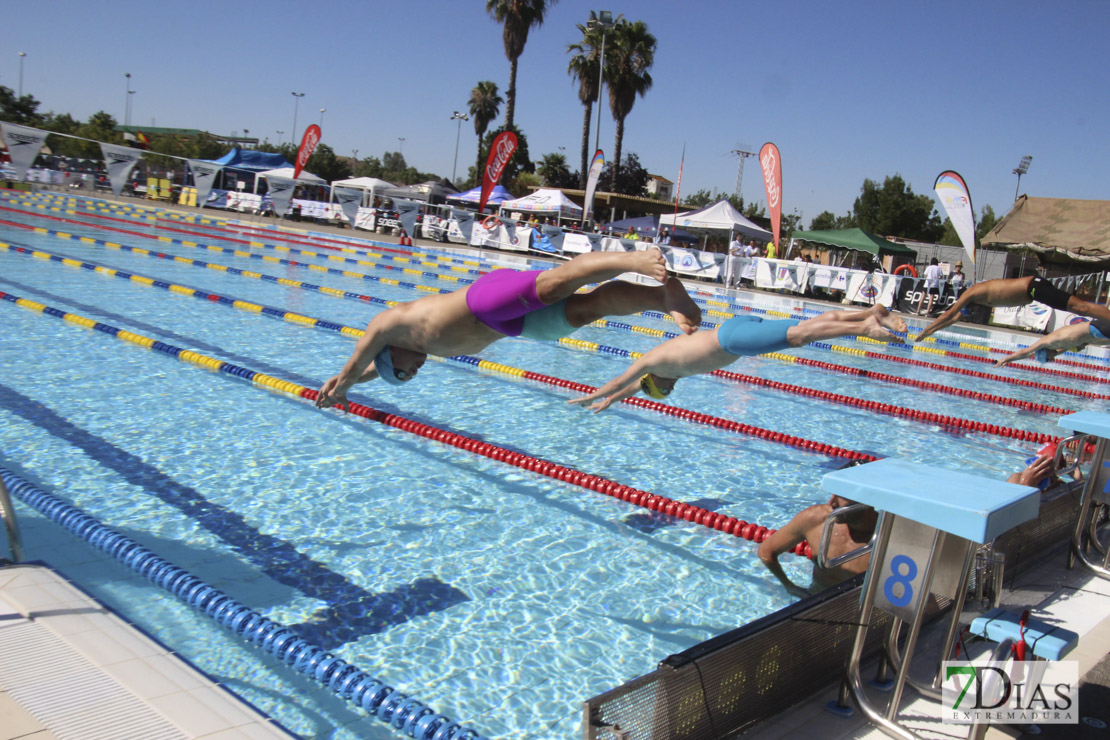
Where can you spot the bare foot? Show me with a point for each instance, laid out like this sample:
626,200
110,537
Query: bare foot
650,262
678,303
889,320
873,329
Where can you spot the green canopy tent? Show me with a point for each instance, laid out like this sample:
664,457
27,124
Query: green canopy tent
855,239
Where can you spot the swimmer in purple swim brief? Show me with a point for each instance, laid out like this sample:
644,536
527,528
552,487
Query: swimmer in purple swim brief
538,304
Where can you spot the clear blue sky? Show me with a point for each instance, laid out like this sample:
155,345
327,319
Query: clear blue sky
847,91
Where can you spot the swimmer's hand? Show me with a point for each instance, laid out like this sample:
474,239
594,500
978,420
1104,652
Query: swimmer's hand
327,396
606,395
594,404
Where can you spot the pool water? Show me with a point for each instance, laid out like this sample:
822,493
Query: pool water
500,597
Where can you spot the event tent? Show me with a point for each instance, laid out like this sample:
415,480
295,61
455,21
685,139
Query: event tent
648,225
719,216
1064,226
474,195
430,191
250,160
857,239
370,186
544,201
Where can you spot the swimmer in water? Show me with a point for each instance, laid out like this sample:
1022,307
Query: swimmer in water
1072,336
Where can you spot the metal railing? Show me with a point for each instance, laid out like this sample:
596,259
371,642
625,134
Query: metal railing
11,526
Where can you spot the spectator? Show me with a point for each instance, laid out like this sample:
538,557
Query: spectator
664,236
732,262
958,279
931,287
632,235
772,251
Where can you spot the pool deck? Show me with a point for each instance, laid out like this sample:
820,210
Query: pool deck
72,670
1076,599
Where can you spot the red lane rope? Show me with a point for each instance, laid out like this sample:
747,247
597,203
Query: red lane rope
925,385
691,513
886,408
1033,368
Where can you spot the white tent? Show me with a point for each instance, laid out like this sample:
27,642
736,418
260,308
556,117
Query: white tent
544,201
719,216
287,172
368,185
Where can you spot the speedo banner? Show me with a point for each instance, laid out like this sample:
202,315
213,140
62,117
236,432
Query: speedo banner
500,152
281,192
24,144
119,160
308,145
204,176
771,164
349,199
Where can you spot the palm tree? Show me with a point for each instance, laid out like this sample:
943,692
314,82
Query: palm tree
629,55
518,17
583,67
485,104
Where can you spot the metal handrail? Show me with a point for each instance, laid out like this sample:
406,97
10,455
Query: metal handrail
11,526
831,520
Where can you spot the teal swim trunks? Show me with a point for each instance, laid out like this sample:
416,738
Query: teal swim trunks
548,324
752,335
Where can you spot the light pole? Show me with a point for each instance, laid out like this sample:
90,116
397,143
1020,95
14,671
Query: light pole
603,22
460,117
296,101
127,101
22,56
402,140
322,112
130,104
1020,170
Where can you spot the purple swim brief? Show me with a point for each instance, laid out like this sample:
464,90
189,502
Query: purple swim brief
500,299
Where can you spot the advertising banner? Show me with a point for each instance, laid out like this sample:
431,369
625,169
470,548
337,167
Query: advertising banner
407,212
771,164
348,200
308,145
464,222
120,160
281,193
204,176
500,152
548,239
591,184
24,144
956,199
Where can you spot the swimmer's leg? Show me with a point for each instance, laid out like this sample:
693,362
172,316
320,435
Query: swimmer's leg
814,331
561,282
878,311
620,298
1088,309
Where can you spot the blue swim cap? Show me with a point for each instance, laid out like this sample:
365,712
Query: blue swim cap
383,363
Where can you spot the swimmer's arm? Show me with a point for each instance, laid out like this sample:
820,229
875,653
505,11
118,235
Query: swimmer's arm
359,368
784,540
1067,337
619,388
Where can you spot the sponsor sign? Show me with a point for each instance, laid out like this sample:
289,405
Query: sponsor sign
348,200
308,145
1022,692
204,176
500,152
281,192
591,184
24,144
771,164
120,160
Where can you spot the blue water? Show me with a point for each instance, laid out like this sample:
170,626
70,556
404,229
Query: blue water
500,597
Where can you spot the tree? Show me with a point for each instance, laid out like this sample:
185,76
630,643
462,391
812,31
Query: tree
517,17
631,179
583,67
629,56
555,172
18,109
894,210
484,104
700,199
826,221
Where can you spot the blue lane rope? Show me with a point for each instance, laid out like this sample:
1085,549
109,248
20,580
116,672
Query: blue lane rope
403,712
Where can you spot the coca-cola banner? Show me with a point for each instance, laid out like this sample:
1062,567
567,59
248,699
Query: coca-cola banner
119,161
23,145
500,152
771,164
308,145
204,176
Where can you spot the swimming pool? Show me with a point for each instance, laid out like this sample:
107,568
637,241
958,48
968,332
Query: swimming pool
499,596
